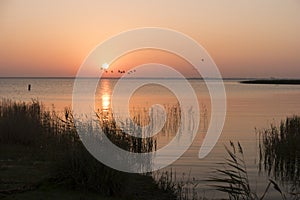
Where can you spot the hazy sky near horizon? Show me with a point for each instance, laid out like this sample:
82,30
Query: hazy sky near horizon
245,38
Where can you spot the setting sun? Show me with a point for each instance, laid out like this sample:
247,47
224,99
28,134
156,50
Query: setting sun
150,100
105,66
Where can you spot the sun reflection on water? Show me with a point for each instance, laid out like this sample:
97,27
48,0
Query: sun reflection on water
105,101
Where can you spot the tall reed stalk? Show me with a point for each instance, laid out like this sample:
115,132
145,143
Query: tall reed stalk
280,153
232,177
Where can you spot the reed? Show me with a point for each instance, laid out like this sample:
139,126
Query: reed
280,152
53,136
232,177
137,141
20,122
184,187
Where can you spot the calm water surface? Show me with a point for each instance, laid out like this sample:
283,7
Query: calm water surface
249,107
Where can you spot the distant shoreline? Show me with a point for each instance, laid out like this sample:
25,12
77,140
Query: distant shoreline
70,77
240,80
273,81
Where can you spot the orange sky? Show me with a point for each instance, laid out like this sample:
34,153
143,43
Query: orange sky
245,38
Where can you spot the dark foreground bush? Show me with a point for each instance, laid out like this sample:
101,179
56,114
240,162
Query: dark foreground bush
20,123
54,138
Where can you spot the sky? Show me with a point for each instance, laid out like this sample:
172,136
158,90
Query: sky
245,38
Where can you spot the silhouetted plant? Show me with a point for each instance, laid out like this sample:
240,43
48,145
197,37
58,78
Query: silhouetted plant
55,137
233,178
280,152
184,187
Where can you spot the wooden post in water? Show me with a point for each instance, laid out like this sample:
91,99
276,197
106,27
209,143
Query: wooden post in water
29,87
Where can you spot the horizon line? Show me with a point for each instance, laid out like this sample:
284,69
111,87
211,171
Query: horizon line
115,78
189,78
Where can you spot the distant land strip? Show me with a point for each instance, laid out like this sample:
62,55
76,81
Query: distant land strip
273,81
71,77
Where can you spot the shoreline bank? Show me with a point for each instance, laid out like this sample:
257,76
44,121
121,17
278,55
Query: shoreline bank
273,81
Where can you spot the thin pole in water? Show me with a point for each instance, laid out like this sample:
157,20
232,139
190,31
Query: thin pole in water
29,87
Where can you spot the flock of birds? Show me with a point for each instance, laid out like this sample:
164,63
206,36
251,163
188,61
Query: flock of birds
105,67
119,71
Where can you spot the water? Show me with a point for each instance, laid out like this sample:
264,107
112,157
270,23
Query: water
249,107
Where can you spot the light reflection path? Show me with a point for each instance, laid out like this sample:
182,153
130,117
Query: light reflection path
155,38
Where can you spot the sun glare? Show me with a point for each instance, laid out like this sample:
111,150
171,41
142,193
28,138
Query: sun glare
105,101
105,65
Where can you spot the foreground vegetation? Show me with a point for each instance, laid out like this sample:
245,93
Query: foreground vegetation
41,153
232,177
280,151
42,157
279,157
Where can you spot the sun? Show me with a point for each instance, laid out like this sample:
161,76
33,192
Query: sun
105,65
